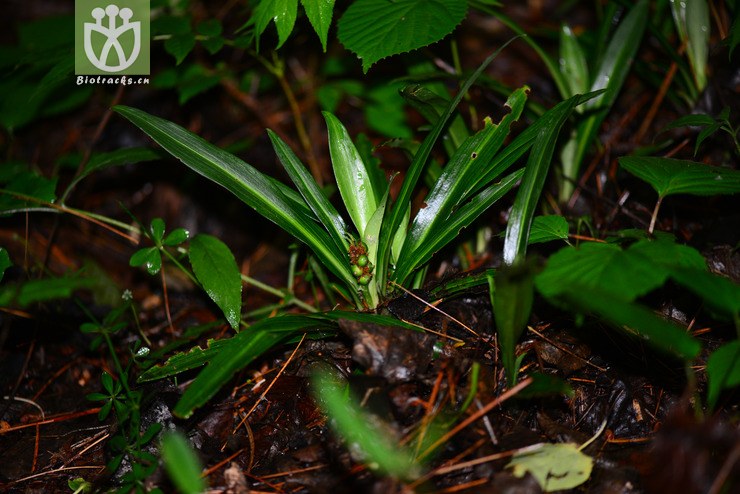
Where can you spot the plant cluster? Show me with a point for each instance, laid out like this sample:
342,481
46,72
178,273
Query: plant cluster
380,244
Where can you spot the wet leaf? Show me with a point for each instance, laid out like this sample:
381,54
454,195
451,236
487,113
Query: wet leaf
149,257
555,466
216,269
319,13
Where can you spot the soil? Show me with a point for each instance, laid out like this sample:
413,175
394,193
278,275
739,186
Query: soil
264,432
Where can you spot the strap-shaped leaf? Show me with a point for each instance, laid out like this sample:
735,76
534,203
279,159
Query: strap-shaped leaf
311,192
462,173
398,210
538,164
239,352
267,196
445,232
353,179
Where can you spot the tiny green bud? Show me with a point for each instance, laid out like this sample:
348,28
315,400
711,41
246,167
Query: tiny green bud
362,261
364,279
370,267
356,271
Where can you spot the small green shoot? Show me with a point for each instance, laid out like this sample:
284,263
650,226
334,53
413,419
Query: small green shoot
182,464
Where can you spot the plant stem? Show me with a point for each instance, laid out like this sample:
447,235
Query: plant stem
655,215
284,294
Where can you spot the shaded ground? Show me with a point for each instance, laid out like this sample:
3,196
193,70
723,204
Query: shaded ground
265,431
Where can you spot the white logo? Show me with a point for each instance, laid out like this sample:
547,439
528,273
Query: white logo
112,33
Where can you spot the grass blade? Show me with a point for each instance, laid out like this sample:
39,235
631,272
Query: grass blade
182,464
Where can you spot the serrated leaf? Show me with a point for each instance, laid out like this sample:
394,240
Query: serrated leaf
182,464
375,29
624,274
723,371
319,13
216,269
671,176
179,46
282,12
554,466
547,228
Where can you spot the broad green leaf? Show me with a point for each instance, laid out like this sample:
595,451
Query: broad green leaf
573,63
375,29
671,176
512,293
623,274
629,317
319,13
179,46
240,350
535,173
381,450
282,12
312,194
723,371
353,180
182,464
547,228
4,261
26,183
216,269
554,466
718,292
267,196
385,111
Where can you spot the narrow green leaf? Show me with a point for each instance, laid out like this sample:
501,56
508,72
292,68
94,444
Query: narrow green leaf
692,23
41,290
375,29
182,464
312,194
240,350
511,298
432,106
471,160
216,269
723,371
399,208
267,196
5,262
573,63
353,180
444,233
184,361
319,13
381,450
176,237
538,165
670,176
547,228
